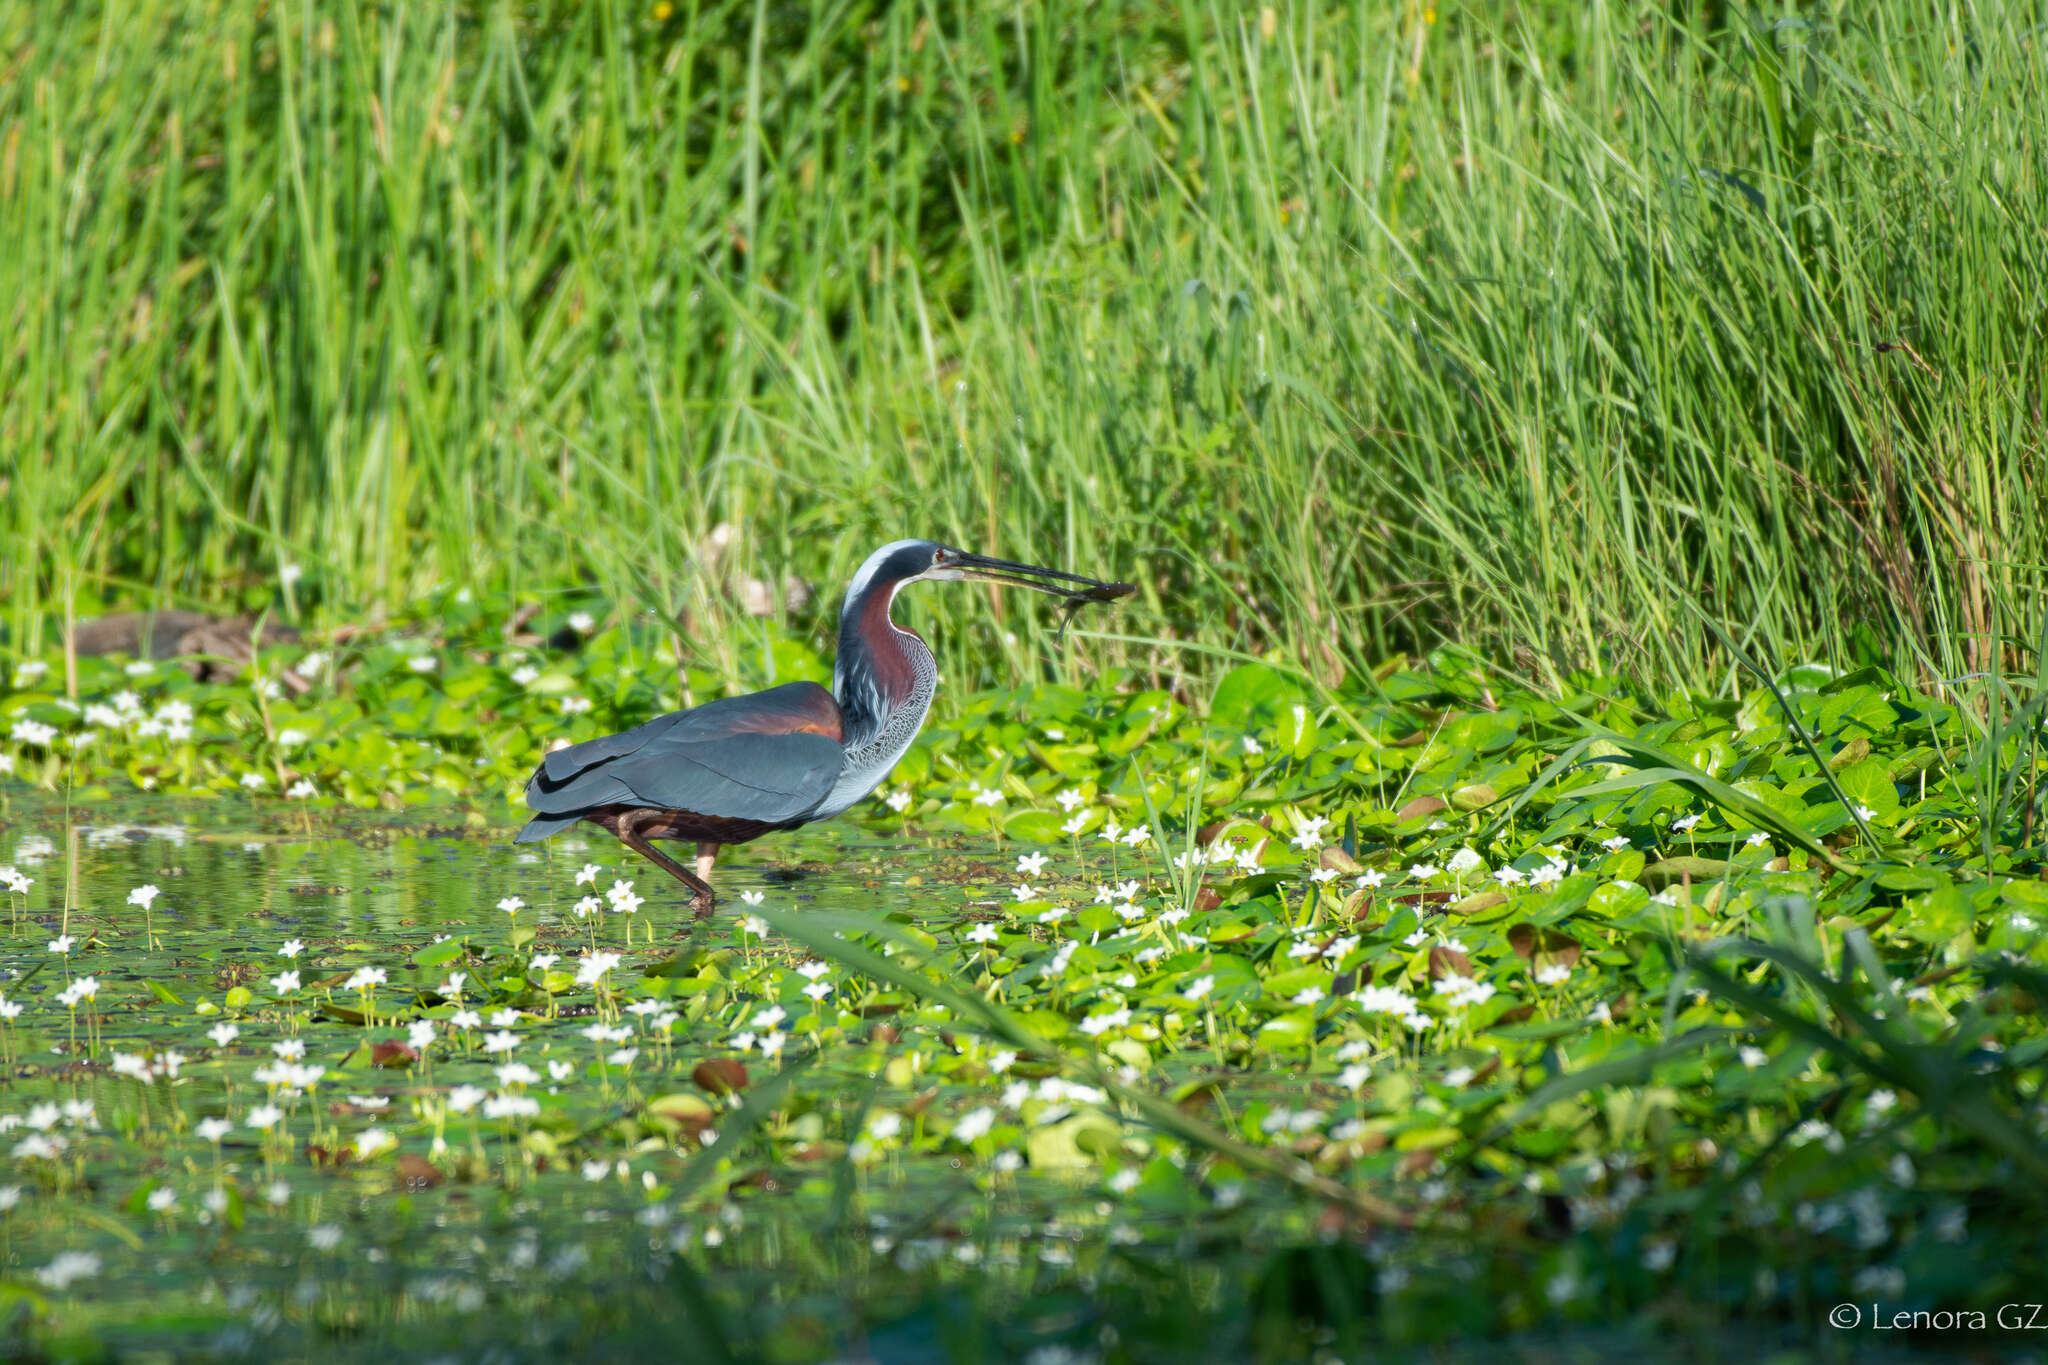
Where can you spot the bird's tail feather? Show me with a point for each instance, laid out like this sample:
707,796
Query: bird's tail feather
540,827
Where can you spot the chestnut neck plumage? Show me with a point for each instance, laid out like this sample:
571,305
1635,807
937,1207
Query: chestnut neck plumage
884,679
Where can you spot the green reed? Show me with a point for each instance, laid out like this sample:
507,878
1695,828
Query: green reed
1345,328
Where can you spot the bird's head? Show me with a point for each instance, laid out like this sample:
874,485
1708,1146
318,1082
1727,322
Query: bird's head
912,561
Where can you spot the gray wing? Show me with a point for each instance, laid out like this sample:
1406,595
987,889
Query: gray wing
772,756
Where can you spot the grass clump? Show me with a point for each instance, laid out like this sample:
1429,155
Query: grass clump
1346,328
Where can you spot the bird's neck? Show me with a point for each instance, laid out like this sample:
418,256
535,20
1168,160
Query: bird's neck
884,679
881,669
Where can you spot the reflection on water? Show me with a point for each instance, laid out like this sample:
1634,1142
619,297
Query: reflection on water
294,1216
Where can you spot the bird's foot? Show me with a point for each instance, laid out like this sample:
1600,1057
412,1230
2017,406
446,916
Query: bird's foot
703,904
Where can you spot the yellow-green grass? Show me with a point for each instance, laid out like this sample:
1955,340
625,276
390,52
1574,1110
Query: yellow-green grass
1344,328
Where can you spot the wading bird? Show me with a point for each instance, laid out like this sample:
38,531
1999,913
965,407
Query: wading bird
731,771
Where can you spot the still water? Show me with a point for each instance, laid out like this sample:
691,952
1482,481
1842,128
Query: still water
509,1159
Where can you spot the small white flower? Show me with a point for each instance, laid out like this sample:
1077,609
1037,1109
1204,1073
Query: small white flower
301,789
371,1141
753,925
1684,823
1552,974
223,1034
1309,831
1031,864
292,948
1198,988
1615,844
263,1117
1757,840
1383,1001
1097,1024
973,1124
212,1129
66,1267
143,895
511,905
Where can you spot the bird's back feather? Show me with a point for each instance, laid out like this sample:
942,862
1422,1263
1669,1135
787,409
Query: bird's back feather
771,756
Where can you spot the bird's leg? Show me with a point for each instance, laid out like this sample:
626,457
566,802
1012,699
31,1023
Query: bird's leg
702,898
706,855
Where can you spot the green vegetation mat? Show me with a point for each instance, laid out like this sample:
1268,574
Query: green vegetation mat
1432,1009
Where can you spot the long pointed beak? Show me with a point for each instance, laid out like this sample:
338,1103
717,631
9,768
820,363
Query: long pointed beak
1071,586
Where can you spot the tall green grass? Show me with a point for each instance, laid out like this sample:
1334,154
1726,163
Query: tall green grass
1346,328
